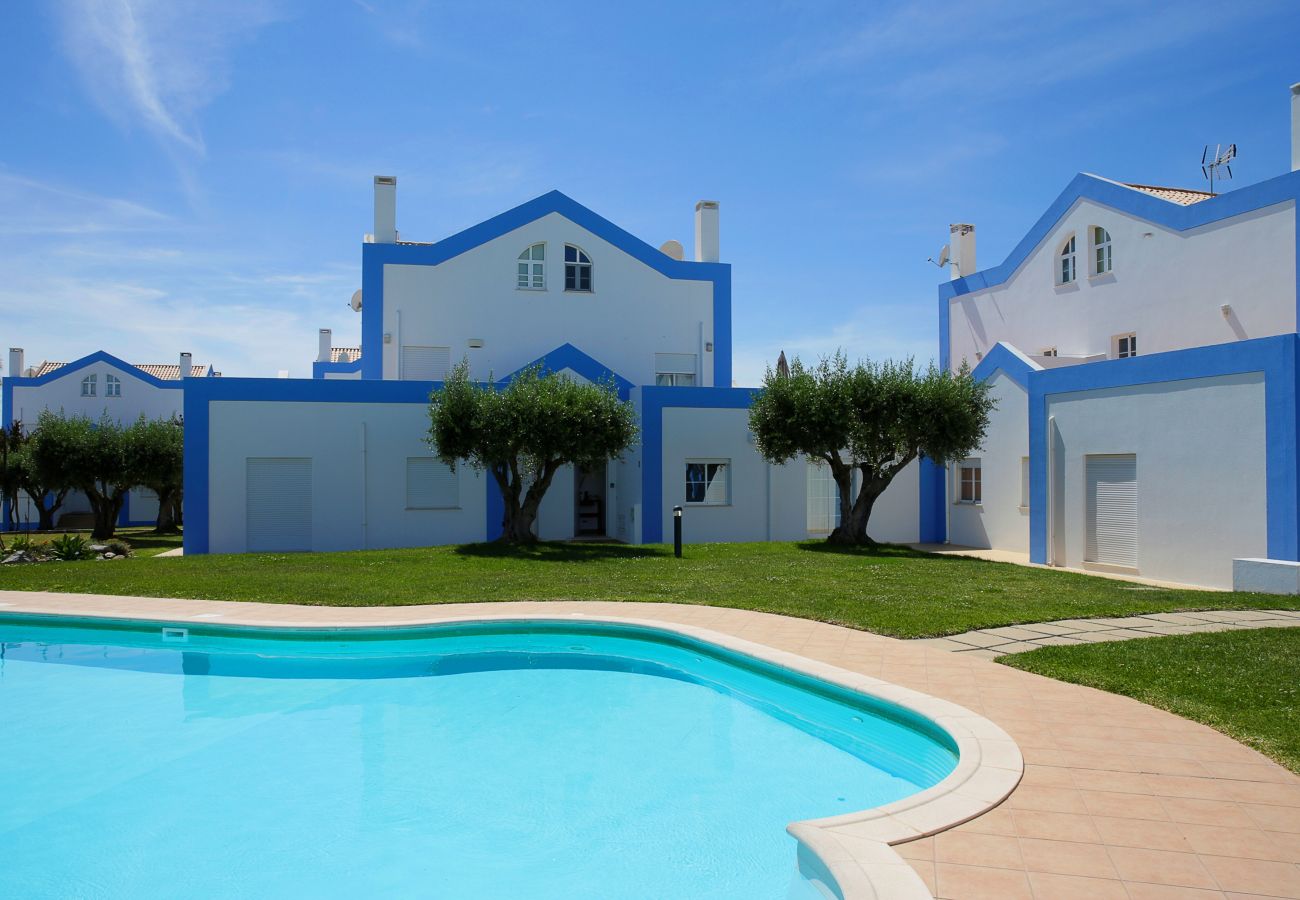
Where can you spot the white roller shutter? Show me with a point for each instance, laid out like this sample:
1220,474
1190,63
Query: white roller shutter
675,363
1112,527
425,363
279,504
430,484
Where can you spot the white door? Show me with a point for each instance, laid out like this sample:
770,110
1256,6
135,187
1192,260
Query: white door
1112,527
279,504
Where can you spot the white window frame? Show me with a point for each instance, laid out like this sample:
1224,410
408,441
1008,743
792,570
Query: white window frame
578,265
675,369
674,379
1102,261
112,386
1048,351
533,278
819,474
725,499
975,466
89,385
1067,262
1124,346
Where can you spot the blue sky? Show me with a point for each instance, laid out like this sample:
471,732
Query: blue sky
177,175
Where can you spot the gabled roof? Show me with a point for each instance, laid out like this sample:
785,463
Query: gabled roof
163,371
157,374
1181,196
567,356
345,354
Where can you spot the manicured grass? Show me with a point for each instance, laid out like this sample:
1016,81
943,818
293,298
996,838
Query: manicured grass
893,590
1243,683
142,540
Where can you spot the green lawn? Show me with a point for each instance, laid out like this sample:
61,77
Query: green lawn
142,540
1243,683
894,590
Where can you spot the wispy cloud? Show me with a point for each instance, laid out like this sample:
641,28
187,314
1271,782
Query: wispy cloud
157,63
40,207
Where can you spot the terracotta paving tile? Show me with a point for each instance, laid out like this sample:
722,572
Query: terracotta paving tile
1048,799
971,849
1243,843
1054,826
1253,876
925,869
922,850
981,883
1160,867
1139,891
1066,858
1141,833
1075,887
1124,806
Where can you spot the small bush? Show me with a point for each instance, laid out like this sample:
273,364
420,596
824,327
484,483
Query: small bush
69,547
25,543
117,547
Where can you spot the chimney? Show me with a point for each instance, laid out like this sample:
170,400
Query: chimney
187,365
326,343
15,362
961,249
706,231
385,209
1295,127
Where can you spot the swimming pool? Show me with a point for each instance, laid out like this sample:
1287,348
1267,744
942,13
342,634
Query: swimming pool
495,759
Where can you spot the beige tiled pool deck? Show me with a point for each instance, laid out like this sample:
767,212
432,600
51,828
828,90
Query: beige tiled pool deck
1117,800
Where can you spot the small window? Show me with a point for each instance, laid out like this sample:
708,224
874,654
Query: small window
112,386
577,269
675,369
1125,345
706,482
1065,273
1100,251
88,385
1048,351
531,273
1024,482
970,475
431,484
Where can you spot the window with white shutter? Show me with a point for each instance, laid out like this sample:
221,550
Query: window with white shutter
278,500
1112,521
425,363
431,484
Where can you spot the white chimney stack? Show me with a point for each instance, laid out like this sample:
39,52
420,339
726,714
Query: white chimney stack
706,231
187,365
15,362
326,344
1295,127
961,249
385,209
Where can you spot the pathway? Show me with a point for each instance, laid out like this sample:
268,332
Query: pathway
990,643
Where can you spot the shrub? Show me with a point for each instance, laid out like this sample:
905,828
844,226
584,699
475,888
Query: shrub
69,547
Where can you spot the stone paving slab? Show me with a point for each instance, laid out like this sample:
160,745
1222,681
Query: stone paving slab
994,642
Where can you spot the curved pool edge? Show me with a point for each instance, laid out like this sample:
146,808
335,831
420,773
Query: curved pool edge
851,854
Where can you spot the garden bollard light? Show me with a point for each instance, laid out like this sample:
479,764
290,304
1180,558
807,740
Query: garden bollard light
677,532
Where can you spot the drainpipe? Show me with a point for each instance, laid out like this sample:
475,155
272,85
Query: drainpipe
365,499
1050,555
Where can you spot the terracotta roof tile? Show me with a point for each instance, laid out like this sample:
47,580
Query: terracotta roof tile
163,371
1181,196
345,354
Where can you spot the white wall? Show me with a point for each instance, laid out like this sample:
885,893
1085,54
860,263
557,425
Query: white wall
633,312
1200,446
766,502
355,504
1167,286
64,393
999,521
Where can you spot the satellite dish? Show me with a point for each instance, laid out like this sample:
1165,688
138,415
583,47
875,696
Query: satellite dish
673,249
355,302
944,255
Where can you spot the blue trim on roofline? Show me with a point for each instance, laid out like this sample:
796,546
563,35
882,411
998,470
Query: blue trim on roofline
318,368
567,356
99,356
375,256
1274,357
654,400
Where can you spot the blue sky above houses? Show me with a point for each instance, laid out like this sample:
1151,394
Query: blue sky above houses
197,176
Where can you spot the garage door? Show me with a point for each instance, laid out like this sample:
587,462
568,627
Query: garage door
1112,510
279,504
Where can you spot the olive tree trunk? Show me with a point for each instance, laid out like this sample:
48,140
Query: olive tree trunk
520,506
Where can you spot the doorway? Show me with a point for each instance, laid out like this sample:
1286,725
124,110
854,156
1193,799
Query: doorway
589,501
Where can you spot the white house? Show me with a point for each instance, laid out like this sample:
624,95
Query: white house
340,461
94,386
1141,343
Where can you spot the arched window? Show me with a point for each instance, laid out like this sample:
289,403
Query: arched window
532,269
1066,273
88,385
1100,250
577,269
112,386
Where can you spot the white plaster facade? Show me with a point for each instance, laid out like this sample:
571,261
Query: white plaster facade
1001,519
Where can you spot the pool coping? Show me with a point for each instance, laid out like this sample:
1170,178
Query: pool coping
855,848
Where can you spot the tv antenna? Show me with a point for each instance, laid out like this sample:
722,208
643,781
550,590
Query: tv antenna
1222,160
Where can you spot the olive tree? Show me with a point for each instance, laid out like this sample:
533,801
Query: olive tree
872,418
156,448
20,476
524,432
92,456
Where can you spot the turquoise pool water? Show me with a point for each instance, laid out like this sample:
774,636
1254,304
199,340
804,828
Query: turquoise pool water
521,759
